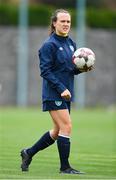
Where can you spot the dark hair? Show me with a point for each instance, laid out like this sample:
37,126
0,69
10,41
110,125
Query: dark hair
54,19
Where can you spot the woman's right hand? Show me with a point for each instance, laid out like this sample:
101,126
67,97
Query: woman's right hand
66,94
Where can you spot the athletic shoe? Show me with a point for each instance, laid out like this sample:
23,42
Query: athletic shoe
26,160
71,171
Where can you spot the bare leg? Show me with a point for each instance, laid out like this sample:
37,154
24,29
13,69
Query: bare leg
63,121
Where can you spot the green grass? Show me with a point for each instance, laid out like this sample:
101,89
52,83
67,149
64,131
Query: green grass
93,147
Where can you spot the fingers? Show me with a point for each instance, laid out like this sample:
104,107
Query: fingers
91,68
67,97
87,69
66,94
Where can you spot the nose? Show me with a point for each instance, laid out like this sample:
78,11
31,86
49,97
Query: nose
66,23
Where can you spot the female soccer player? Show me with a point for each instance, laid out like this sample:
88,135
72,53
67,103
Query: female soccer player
57,71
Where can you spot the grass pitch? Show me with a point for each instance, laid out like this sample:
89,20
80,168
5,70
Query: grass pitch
93,147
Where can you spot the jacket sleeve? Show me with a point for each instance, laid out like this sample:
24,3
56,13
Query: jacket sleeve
46,56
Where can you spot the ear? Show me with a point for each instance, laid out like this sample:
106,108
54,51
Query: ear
54,24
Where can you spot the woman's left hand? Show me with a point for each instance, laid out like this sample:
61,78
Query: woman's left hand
66,94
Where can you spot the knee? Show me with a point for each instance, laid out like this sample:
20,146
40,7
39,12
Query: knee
54,133
66,129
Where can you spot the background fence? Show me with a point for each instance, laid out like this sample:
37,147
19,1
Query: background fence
100,83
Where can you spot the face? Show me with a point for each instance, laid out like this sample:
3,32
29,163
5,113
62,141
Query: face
63,23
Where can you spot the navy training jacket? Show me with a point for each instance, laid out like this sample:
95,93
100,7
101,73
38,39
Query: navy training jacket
56,67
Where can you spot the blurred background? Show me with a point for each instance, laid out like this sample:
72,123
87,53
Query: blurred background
24,25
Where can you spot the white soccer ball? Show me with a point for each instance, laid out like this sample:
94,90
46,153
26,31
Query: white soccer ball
84,58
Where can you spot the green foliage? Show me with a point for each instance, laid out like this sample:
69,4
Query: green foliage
8,15
39,15
60,3
101,18
94,3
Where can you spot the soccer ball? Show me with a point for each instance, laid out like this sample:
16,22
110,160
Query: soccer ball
84,58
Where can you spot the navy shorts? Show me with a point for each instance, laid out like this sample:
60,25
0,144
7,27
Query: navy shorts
56,105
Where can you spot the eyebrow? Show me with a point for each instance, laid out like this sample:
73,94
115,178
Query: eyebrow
68,21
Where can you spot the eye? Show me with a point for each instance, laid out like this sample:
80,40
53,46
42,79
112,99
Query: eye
63,21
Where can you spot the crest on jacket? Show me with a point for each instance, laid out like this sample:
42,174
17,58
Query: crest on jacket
72,48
